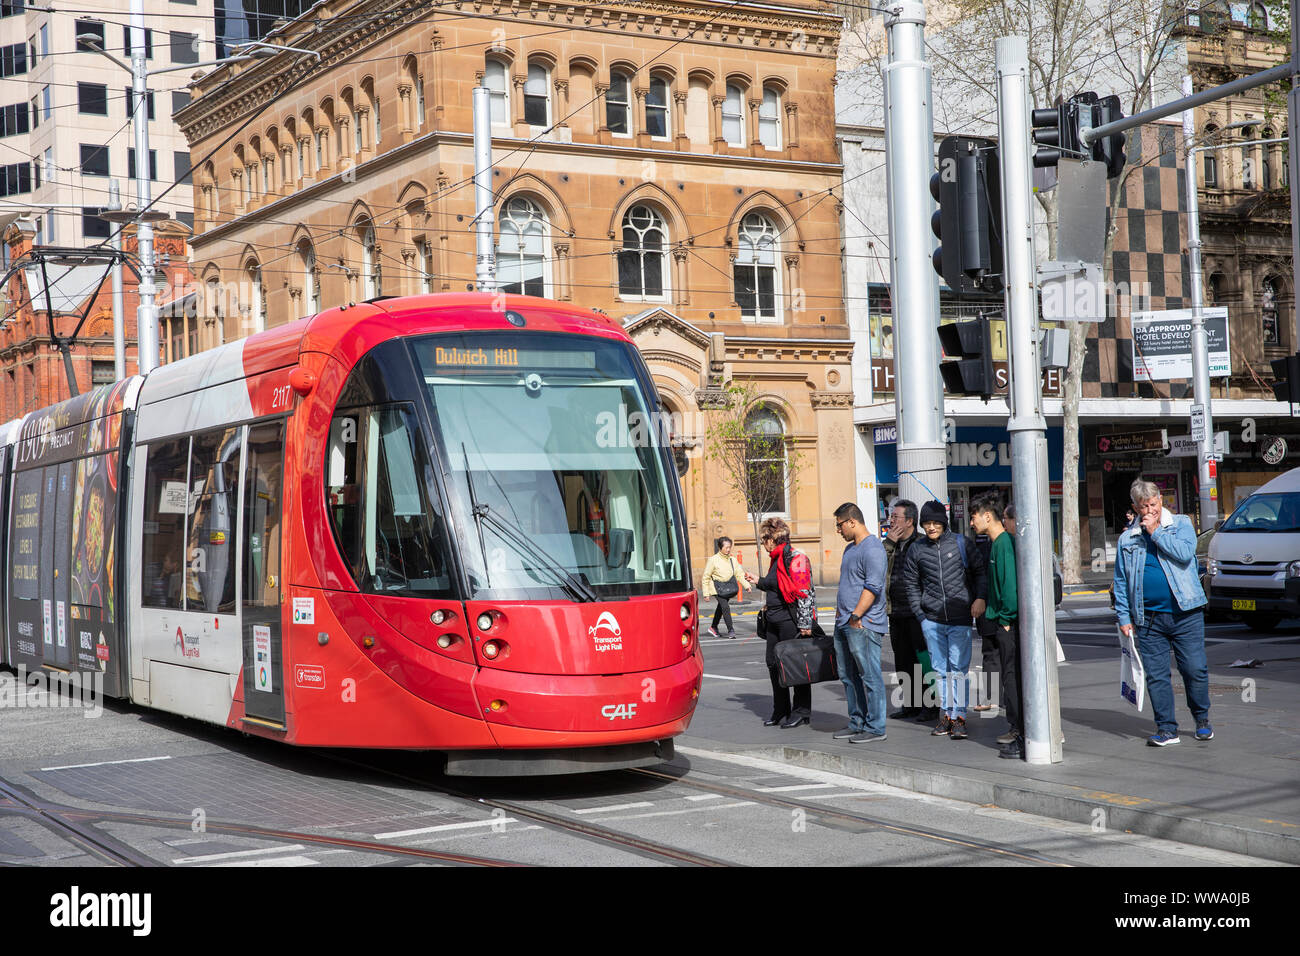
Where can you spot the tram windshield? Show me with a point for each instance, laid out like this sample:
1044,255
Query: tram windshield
555,465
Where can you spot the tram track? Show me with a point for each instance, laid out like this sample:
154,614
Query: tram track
829,813
555,821
56,819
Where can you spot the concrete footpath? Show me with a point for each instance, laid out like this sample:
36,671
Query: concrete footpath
1239,792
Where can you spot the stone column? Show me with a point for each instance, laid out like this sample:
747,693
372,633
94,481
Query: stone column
638,130
236,177
407,129
561,116
792,291
600,122
755,144
679,275
682,141
521,124
367,143
563,280
792,126
719,142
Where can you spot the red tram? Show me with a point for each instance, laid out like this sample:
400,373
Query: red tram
414,523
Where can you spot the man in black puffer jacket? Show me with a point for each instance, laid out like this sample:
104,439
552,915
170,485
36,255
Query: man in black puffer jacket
934,573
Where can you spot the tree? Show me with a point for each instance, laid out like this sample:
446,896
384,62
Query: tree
1074,45
755,460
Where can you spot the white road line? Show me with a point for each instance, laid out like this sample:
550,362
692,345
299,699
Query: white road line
277,861
105,763
674,813
462,836
705,796
398,834
239,853
615,807
725,677
801,786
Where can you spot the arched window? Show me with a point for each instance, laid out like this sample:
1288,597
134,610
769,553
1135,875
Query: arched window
1268,312
256,298
656,108
537,97
642,261
1215,289
1248,178
371,274
494,78
1257,18
426,264
310,287
521,248
755,269
618,104
765,461
733,117
769,119
1211,161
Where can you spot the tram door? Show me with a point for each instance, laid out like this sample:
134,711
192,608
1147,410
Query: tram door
263,651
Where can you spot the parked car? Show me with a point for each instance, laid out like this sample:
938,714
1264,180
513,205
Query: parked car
1253,562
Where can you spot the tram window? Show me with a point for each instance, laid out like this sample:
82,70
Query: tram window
165,509
376,482
262,514
24,538
214,483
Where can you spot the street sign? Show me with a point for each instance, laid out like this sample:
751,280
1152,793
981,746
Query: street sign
1198,423
1162,344
1072,291
884,434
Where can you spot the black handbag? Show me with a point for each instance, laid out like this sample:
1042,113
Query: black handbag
807,660
726,589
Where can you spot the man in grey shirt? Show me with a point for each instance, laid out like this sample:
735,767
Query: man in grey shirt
860,626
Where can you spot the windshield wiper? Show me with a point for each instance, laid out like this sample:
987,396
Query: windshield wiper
518,538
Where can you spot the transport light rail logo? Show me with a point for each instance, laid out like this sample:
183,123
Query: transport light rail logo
606,633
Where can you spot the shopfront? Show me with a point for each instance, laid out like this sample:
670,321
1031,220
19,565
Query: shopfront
979,460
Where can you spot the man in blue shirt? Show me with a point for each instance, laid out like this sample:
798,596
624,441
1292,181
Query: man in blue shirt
860,626
1158,597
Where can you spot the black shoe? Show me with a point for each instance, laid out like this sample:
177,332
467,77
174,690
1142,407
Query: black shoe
907,713
958,729
795,720
774,720
731,635
867,737
1012,751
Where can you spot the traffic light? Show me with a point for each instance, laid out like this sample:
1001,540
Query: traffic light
968,222
1286,379
1109,149
1056,130
971,344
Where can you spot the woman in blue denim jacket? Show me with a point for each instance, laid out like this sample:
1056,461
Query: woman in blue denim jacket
1159,597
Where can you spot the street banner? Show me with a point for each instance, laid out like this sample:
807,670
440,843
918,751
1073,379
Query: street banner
1162,344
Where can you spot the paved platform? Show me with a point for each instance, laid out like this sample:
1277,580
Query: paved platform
1239,792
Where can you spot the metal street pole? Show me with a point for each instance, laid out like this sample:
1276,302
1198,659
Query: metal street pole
485,263
147,312
119,309
914,287
1293,167
1042,702
1202,411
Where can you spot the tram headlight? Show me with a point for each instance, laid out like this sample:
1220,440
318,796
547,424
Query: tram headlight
491,649
686,638
439,617
686,610
446,640
485,621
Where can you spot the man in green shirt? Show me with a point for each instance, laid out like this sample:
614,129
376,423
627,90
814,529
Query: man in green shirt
1003,611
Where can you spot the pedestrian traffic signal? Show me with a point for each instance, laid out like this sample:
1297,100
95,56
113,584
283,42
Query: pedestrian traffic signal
1286,379
971,344
1109,149
968,220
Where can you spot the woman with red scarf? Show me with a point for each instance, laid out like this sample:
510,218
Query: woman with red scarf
782,621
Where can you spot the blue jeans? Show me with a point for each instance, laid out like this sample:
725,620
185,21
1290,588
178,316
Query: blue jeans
857,652
949,646
1184,631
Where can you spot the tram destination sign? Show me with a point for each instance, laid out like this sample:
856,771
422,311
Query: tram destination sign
1162,344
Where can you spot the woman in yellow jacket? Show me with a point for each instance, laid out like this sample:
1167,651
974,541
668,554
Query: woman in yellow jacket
722,577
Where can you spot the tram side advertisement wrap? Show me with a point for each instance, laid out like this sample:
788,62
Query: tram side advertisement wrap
63,549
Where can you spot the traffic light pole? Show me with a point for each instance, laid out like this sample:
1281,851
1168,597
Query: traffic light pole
1206,468
914,287
1028,428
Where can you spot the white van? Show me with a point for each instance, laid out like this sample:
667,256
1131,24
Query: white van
1254,564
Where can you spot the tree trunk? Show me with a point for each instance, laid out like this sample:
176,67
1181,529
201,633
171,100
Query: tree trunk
1071,390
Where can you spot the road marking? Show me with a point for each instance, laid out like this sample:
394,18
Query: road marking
398,834
725,677
705,796
207,858
105,763
801,786
277,861
674,813
615,807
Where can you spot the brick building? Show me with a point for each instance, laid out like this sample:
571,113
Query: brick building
671,163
